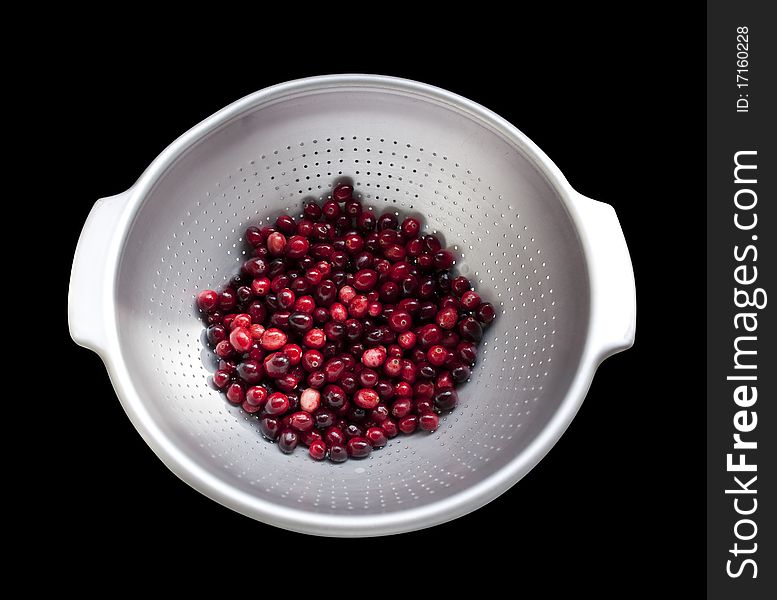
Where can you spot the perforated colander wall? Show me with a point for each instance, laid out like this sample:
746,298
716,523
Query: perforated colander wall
504,222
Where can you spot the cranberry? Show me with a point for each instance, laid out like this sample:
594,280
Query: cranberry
400,321
342,192
359,447
326,293
310,400
366,398
389,426
315,338
297,246
374,357
447,318
338,453
485,313
277,404
334,397
276,243
415,247
460,372
254,236
270,427
260,286
286,224
235,393
207,300
467,352
366,221
250,371
317,450
256,396
216,334
312,211
273,339
365,280
376,437
334,369
387,221
224,349
428,421
470,300
221,378
446,399
287,441
437,355
301,421
227,300
240,339
401,407
277,366
410,228
368,377
408,424
470,329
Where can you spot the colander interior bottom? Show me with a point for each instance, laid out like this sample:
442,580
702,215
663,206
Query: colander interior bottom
405,153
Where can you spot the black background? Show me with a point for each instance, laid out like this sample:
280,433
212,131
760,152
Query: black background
618,503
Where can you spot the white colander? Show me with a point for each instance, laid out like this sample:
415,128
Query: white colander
554,264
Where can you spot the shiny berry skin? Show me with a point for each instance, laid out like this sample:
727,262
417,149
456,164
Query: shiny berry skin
286,224
224,349
254,236
338,453
276,243
240,339
342,192
227,300
250,371
374,357
270,427
301,421
467,352
256,396
446,399
207,300
216,334
366,398
410,228
315,338
387,221
310,400
277,404
400,321
273,339
470,329
376,437
401,407
260,286
428,421
359,447
297,246
287,441
408,424
443,259
312,211
470,300
366,221
447,318
334,397
406,340
365,280
277,366
317,450
485,313
436,355
221,378
235,393
334,436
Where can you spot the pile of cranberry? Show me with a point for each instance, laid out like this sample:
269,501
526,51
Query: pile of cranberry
344,329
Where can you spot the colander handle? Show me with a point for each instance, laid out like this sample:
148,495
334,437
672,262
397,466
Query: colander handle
89,294
613,290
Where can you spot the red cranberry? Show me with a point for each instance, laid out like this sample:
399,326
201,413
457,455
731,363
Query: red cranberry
342,192
221,379
470,300
286,224
277,366
446,399
270,427
207,300
260,286
437,355
235,393
470,329
317,450
334,369
359,447
460,372
467,352
400,321
310,400
273,339
389,426
301,421
287,441
428,421
250,371
316,379
312,360
485,313
447,318
334,397
216,334
408,424
376,437
459,285
254,236
276,243
227,300
277,404
331,210
415,247
366,221
297,246
326,293
410,228
365,280
374,357
368,377
401,407
241,340
366,398
334,436
256,396
337,453
224,349
315,338
387,221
